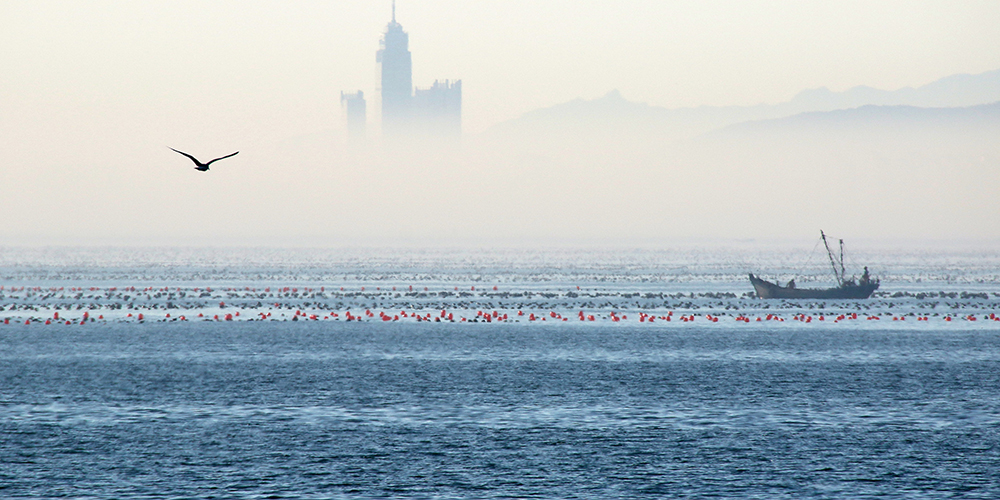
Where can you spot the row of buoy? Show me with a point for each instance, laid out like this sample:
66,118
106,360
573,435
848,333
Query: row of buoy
155,289
279,289
209,289
494,315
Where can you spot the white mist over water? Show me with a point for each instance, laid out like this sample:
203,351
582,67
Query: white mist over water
900,266
93,94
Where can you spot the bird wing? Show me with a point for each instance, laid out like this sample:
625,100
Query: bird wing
195,160
222,158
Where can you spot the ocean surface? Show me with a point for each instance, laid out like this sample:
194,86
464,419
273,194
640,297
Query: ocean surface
431,374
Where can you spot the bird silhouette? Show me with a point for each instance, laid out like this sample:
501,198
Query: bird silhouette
199,165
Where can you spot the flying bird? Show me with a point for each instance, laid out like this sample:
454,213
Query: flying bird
199,165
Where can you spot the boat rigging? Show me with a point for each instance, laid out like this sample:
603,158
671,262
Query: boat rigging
847,288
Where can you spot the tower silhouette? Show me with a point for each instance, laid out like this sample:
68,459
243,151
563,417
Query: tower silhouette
397,77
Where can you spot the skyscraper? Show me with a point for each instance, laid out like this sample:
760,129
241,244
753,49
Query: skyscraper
397,78
424,113
354,104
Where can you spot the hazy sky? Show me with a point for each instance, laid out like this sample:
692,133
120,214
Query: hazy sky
92,92
513,56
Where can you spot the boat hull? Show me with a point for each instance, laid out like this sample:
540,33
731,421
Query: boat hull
767,290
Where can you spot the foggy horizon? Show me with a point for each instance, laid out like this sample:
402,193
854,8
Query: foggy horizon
715,131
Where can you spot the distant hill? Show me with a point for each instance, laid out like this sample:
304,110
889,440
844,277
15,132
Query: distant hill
921,162
951,91
614,116
983,118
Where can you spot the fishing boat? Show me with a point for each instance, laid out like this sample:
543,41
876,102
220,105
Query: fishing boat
847,288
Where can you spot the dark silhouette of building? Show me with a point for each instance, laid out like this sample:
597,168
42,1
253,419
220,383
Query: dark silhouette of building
435,111
357,115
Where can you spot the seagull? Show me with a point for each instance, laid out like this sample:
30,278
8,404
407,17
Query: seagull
199,165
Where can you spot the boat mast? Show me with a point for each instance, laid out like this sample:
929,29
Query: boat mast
833,261
842,270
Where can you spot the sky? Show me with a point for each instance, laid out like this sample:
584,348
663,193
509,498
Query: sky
92,93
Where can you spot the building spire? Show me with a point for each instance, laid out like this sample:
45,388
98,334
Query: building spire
394,11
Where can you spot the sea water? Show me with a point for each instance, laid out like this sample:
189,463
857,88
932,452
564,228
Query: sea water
284,406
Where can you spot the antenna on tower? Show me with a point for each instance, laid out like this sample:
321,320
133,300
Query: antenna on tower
394,11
